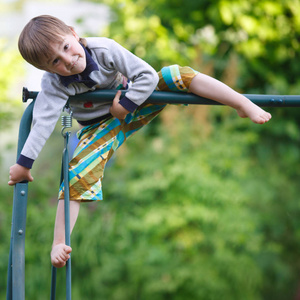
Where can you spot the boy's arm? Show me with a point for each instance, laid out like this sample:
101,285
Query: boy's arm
19,173
143,77
48,106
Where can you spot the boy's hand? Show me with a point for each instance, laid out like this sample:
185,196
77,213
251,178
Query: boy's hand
18,173
117,110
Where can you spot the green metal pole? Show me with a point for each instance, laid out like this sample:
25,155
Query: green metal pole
53,283
180,98
67,213
18,249
64,178
16,265
188,98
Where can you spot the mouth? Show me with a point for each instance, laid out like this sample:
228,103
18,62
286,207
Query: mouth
75,63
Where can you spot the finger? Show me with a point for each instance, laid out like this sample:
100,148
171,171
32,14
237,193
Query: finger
118,95
11,182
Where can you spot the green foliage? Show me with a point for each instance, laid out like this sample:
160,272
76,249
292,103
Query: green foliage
262,33
11,70
200,237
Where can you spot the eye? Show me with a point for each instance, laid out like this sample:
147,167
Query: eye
55,61
66,47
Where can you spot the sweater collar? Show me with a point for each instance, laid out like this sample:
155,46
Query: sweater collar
85,75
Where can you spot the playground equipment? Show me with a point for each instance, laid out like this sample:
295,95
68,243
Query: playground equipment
16,265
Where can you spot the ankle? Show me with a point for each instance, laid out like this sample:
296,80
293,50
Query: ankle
56,243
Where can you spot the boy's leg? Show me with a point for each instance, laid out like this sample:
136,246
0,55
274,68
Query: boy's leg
213,89
97,144
60,251
185,79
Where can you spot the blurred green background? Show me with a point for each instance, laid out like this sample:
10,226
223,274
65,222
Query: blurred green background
200,204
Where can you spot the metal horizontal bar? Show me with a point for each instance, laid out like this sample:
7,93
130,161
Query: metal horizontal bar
180,98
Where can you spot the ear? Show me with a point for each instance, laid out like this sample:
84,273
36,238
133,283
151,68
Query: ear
74,33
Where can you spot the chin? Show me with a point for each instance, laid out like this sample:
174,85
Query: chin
80,69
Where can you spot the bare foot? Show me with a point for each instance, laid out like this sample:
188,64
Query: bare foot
60,254
255,113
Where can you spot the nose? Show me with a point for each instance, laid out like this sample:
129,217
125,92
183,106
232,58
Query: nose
67,59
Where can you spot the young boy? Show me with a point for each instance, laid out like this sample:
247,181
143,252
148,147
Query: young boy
74,65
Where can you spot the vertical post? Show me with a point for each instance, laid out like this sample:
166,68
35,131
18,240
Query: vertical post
9,275
18,249
67,214
16,265
53,283
66,123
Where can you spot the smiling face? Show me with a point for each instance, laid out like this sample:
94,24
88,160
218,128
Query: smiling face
67,56
49,44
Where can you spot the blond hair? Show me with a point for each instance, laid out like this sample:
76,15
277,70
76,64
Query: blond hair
36,37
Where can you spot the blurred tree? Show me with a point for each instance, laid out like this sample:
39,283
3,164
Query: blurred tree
253,46
263,34
12,70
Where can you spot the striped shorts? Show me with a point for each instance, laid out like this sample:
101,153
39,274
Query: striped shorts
98,142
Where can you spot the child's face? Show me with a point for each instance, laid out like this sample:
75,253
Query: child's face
68,58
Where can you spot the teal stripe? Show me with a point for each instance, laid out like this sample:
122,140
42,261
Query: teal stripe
166,73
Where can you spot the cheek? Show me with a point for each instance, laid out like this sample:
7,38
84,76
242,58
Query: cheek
81,51
60,69
82,65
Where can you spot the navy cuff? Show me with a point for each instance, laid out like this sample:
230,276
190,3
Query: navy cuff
25,161
128,104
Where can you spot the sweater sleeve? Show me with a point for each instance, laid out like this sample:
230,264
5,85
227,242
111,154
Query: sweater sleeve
144,78
47,109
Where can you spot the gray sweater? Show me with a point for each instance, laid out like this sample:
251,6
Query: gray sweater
114,63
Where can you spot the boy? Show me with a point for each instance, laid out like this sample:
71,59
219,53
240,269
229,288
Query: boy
74,65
